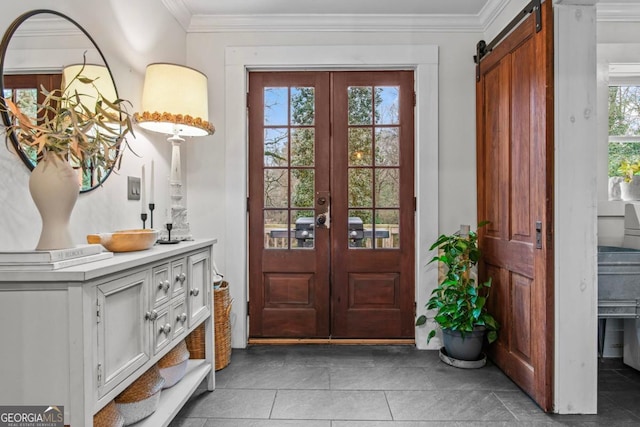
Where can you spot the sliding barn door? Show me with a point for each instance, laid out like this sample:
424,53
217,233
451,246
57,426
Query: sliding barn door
515,182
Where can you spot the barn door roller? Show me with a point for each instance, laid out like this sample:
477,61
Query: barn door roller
482,48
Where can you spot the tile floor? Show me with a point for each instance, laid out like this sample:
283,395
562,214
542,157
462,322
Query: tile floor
385,386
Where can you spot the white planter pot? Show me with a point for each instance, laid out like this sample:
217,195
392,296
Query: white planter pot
630,190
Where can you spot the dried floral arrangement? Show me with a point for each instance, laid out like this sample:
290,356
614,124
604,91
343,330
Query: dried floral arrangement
82,129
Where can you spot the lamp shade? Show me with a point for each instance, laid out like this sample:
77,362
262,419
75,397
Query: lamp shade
174,101
102,82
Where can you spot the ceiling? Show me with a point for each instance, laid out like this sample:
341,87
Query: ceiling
301,15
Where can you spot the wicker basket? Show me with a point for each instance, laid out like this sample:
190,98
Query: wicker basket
176,355
196,343
173,366
142,397
146,386
109,416
222,324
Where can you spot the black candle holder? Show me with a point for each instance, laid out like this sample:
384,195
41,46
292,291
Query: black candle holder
152,206
169,226
143,217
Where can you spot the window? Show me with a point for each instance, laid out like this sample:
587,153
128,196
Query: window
624,137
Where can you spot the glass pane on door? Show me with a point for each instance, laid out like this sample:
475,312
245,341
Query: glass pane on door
289,173
374,179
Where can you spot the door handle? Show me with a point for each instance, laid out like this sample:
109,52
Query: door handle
322,208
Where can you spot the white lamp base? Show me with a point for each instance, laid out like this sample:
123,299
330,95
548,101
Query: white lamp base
181,229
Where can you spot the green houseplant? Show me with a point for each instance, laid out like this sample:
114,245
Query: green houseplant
459,301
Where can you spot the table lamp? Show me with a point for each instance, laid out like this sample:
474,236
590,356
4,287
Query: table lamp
174,102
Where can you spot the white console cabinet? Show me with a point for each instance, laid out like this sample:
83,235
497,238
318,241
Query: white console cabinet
79,336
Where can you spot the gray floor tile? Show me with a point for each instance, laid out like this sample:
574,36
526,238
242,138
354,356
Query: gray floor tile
330,405
404,356
440,424
281,377
377,378
443,405
214,422
523,408
386,386
225,403
188,422
489,378
330,356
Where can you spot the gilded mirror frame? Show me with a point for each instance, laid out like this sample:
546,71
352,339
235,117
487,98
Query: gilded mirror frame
4,47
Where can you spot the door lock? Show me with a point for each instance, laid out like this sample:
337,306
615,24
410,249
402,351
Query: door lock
323,219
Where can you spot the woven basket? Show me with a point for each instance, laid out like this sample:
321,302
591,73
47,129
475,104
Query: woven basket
173,366
195,343
176,355
109,416
222,324
144,387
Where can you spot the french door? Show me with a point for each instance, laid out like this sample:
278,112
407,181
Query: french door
331,204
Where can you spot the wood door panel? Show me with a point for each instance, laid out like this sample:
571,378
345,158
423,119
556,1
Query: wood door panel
288,289
515,192
374,290
521,288
509,254
289,323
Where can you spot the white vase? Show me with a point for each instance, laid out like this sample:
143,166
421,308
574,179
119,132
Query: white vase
54,189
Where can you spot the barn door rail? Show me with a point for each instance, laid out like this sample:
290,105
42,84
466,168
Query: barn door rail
482,48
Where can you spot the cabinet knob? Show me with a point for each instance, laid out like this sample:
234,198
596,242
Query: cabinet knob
167,285
195,292
166,329
182,277
151,315
182,317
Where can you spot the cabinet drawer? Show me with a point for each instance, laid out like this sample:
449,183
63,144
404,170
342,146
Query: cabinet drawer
161,285
179,276
179,317
162,328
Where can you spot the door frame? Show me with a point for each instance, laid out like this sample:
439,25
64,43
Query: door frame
423,59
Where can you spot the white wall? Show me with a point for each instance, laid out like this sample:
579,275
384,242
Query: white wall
130,35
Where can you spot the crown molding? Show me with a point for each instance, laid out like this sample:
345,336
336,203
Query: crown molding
618,12
179,11
334,22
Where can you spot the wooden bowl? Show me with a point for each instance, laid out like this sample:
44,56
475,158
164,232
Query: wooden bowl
125,240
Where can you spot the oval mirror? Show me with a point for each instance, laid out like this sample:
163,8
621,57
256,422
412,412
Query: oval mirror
37,50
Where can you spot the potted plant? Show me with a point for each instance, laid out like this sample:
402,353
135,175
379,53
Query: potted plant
459,301
630,187
70,129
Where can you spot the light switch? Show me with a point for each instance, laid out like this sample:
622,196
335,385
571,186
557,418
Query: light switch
133,188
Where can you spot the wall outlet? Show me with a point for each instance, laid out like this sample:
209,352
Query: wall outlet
133,188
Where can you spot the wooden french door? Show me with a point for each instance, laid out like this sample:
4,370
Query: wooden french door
515,193
331,205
